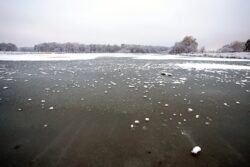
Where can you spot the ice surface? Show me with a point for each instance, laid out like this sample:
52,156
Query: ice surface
130,93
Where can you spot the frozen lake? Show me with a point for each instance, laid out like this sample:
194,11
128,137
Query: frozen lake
121,110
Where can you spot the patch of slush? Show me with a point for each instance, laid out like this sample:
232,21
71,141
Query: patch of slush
203,66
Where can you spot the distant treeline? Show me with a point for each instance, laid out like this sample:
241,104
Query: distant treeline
8,47
95,48
187,45
82,48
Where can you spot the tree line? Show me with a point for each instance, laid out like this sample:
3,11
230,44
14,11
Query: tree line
187,45
97,48
8,47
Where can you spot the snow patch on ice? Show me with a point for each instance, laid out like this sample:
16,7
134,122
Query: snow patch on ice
203,66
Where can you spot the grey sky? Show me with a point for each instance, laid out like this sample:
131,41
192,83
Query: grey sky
150,22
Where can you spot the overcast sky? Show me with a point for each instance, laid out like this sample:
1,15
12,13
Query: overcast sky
150,22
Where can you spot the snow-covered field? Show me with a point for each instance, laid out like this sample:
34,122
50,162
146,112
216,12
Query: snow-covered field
19,56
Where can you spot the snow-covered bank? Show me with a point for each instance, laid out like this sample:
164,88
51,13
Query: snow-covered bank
203,66
47,57
181,57
88,56
233,55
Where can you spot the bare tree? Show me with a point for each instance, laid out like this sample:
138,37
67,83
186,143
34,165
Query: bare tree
202,49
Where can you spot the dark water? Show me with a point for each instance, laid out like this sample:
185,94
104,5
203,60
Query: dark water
90,105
